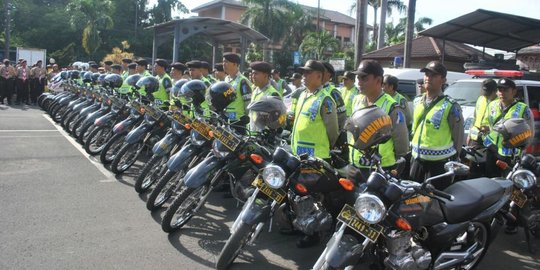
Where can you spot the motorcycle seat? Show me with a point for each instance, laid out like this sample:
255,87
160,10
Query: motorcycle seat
471,197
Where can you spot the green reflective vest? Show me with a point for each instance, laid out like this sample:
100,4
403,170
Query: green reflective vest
516,110
348,97
432,137
236,109
161,93
309,132
268,90
480,118
280,87
386,150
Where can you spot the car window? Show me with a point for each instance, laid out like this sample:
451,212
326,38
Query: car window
520,96
534,96
407,88
465,93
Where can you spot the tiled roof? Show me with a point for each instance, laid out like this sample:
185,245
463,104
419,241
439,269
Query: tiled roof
218,2
428,47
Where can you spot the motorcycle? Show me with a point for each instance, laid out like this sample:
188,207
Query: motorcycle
232,155
401,224
304,191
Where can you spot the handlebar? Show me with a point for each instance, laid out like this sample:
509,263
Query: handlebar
443,194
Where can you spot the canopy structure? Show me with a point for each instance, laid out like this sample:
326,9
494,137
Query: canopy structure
489,29
219,31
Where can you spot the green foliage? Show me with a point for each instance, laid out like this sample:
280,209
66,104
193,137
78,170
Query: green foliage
395,34
254,53
64,56
270,17
318,45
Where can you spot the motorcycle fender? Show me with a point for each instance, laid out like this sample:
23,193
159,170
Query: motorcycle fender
105,119
80,106
86,111
138,133
184,155
164,145
203,172
91,118
343,251
254,212
124,125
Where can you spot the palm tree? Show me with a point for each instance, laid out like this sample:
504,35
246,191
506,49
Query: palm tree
396,33
317,43
376,4
270,17
302,23
162,10
91,16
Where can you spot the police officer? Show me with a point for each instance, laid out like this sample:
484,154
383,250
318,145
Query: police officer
481,124
7,76
437,130
205,70
219,73
261,80
116,69
239,83
125,63
142,65
505,107
294,101
296,80
23,76
196,71
177,70
370,79
334,93
349,91
93,67
282,86
315,129
107,66
165,82
390,86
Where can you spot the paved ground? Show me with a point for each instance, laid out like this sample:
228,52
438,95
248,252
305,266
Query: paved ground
62,210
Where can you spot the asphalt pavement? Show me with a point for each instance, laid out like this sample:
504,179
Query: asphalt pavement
61,209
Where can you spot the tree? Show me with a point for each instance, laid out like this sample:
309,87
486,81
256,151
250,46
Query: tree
411,11
270,17
396,34
91,16
360,36
161,12
316,44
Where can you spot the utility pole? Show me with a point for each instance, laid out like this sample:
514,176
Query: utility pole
318,14
7,8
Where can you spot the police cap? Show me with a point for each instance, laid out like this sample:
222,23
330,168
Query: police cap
435,67
232,57
506,83
313,65
367,67
261,66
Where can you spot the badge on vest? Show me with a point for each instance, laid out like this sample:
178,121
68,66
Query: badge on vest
301,150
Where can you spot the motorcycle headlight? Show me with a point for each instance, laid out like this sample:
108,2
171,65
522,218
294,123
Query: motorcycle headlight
524,179
370,208
274,176
218,150
196,138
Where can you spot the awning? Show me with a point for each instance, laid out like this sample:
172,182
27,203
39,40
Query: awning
489,29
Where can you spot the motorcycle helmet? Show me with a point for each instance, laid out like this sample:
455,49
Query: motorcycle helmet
269,112
74,74
516,132
114,80
64,75
85,66
132,80
87,77
528,162
368,127
95,77
101,79
176,90
148,85
220,95
193,91
76,65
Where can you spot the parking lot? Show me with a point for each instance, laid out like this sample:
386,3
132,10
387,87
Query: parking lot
61,209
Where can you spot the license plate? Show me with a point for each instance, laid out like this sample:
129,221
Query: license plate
350,218
202,128
116,102
180,118
136,105
154,113
277,195
518,197
226,138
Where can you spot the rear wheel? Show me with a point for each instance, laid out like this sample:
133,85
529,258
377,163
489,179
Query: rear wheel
476,238
236,242
154,168
183,208
111,148
126,157
83,134
97,139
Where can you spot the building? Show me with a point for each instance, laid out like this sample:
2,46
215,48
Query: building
339,25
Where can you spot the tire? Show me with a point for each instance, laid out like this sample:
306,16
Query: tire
120,164
75,128
165,189
71,119
65,116
234,245
97,139
57,115
84,131
151,172
191,196
111,148
481,236
52,107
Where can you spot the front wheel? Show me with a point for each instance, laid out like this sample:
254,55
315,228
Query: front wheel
236,242
126,157
183,208
164,189
111,148
97,139
151,172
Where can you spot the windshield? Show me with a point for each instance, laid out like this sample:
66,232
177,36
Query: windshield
465,93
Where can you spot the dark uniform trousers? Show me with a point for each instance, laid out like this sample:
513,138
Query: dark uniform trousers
36,88
6,89
23,90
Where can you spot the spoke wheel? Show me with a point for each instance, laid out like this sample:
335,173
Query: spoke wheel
183,208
